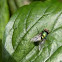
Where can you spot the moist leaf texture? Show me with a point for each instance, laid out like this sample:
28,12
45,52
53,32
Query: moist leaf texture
23,26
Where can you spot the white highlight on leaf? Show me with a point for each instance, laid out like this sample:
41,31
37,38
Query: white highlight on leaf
8,34
8,43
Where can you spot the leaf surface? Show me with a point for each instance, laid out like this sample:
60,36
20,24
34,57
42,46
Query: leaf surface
24,25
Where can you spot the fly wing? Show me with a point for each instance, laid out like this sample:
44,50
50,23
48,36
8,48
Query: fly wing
41,44
36,38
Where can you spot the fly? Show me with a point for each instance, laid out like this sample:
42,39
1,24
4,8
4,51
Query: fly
41,37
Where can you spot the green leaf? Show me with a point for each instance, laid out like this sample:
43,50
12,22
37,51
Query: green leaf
20,3
24,25
0,50
12,6
4,16
15,4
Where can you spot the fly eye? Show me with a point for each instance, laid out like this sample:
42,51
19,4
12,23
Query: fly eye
46,31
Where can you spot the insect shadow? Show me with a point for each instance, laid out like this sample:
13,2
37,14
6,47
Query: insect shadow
36,43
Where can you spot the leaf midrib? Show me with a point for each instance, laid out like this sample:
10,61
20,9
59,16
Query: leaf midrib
32,26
